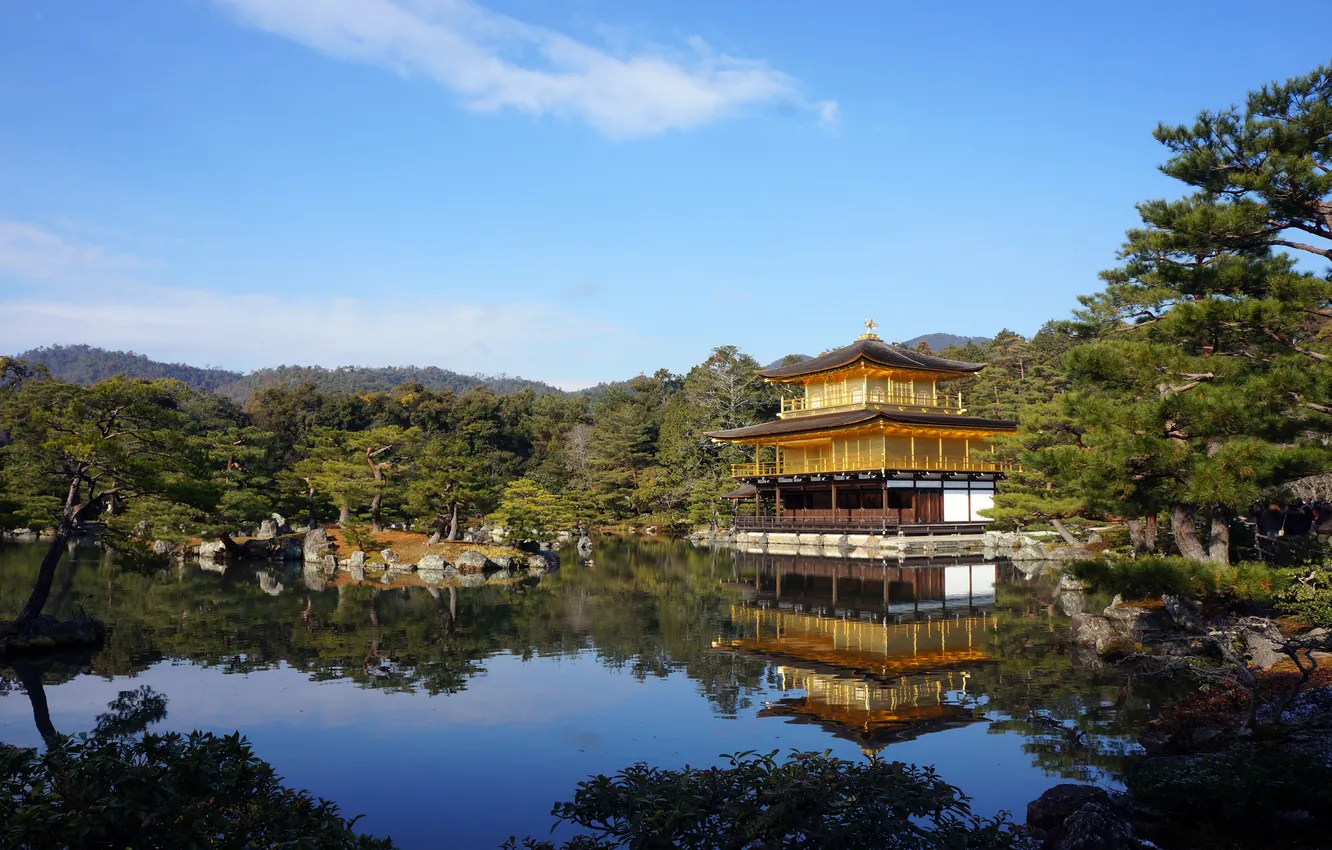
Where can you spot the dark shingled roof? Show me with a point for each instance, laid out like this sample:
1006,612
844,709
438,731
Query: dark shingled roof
875,351
845,419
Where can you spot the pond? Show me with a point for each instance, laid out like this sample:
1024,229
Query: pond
458,717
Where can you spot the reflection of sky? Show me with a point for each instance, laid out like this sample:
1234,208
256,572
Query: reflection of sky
469,769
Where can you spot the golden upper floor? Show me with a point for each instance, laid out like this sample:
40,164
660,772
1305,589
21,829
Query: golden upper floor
871,374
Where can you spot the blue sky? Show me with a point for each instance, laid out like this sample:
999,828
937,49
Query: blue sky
582,191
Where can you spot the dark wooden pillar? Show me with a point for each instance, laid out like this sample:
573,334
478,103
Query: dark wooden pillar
834,501
777,501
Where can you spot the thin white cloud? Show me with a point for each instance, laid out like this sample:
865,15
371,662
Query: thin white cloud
36,253
495,62
70,293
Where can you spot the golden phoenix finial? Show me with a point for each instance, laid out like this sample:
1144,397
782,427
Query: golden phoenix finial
870,325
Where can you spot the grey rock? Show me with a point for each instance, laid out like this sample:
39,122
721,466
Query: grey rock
268,584
1049,811
1072,602
1069,553
212,551
267,530
314,579
316,546
161,547
504,562
1184,613
584,546
1091,630
432,564
1096,826
389,556
1070,595
472,561
280,523
356,559
1263,652
1135,623
330,564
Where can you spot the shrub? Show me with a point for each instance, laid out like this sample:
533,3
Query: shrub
362,537
160,791
1235,798
1308,594
1152,576
808,801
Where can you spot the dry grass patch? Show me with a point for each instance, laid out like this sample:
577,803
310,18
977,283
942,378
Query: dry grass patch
412,547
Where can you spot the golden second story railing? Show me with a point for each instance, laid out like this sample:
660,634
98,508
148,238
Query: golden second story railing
831,403
869,463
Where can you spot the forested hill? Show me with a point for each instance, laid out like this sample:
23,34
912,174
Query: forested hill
358,379
84,364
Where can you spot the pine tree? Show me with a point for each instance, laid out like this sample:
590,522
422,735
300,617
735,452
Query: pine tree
1209,379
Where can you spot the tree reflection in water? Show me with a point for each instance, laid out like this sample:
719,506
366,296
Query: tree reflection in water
649,608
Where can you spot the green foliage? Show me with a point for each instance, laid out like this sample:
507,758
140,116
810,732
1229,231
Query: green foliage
1308,594
160,791
1232,799
1148,577
1202,377
810,800
530,512
361,537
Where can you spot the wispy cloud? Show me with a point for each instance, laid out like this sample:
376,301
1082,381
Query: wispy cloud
494,62
36,253
63,291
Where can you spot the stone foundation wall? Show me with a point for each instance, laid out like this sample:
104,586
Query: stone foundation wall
869,546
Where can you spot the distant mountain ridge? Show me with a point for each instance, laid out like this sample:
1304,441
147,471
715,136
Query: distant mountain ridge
940,341
85,364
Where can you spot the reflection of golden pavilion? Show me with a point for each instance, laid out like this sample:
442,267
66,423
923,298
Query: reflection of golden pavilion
871,682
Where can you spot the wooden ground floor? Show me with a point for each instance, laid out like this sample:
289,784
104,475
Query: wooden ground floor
866,502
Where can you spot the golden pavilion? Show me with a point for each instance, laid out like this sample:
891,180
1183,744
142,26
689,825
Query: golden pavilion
873,441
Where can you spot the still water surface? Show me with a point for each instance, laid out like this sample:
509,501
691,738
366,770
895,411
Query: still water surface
457,717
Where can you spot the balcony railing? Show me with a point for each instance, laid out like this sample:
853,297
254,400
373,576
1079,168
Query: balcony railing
801,406
869,462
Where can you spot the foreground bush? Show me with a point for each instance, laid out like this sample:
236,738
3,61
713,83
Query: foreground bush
809,801
160,791
1270,794
1308,595
1152,576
